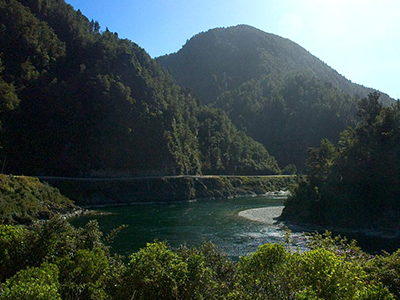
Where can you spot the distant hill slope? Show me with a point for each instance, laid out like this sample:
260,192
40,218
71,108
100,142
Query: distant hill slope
76,100
273,89
221,59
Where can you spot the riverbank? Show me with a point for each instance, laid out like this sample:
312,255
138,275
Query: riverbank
83,211
24,200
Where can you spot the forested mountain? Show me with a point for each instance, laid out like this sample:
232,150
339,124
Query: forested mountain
222,59
357,183
273,89
75,100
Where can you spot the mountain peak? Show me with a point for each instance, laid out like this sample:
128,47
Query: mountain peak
242,53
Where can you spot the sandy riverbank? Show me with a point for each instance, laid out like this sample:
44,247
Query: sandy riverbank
269,216
265,215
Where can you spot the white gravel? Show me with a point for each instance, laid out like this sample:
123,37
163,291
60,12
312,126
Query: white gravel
265,215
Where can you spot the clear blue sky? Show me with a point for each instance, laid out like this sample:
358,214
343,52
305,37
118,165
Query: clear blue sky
358,38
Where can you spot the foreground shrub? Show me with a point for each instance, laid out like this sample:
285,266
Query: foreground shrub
21,247
84,275
386,269
329,276
272,272
33,284
13,250
266,274
157,272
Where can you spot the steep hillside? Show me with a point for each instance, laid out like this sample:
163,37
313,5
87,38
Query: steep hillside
76,100
270,87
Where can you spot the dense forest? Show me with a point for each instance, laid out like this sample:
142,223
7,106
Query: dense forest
274,90
76,100
357,183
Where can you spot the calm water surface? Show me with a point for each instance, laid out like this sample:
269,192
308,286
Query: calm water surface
190,224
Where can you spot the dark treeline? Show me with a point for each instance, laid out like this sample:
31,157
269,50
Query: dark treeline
273,89
76,100
356,183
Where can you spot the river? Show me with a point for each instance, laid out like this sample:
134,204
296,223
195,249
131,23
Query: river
190,223
213,220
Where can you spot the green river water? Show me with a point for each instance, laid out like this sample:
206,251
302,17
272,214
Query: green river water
192,222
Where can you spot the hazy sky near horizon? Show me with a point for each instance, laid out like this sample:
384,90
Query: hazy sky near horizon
358,38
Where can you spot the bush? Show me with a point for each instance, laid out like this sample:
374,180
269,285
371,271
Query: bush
13,250
154,272
330,276
157,272
272,272
84,275
33,284
265,274
386,269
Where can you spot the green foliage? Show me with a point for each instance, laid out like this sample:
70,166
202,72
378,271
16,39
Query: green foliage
338,245
39,283
56,238
330,277
264,275
154,272
210,272
288,114
84,274
289,170
30,48
13,250
319,162
157,272
8,97
386,269
274,273
24,199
